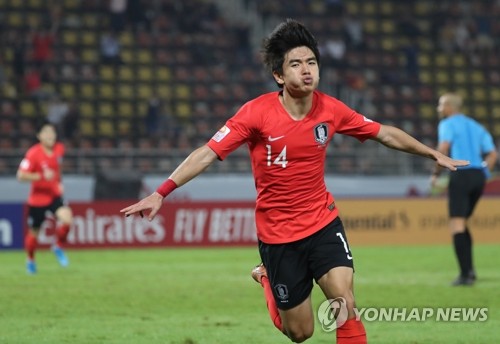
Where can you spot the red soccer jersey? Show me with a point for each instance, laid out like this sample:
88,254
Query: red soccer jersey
288,161
43,192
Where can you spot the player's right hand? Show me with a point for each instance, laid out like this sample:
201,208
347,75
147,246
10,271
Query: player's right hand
152,203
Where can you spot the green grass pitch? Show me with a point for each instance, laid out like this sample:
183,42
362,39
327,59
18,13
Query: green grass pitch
189,296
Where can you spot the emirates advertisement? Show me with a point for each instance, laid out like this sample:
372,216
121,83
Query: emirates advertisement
100,224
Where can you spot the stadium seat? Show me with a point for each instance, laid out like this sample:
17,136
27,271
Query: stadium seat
106,73
28,108
477,77
15,19
89,38
426,76
145,73
107,91
105,109
144,57
369,9
164,91
480,112
144,91
125,91
182,92
496,129
90,21
87,90
422,8
479,94
126,39
87,127
125,109
125,73
127,56
124,127
106,128
459,76
87,109
388,26
183,110
442,77
90,55
386,8
495,94
427,111
67,90
441,60
371,26
163,74
70,38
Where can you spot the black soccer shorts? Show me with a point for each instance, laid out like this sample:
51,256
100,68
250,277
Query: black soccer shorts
464,190
36,215
291,267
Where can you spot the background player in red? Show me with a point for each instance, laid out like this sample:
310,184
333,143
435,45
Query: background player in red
42,167
301,237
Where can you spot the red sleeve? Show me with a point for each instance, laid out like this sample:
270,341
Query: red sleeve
28,163
237,130
349,122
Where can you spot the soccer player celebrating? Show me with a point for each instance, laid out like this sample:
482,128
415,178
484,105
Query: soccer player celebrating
301,237
41,167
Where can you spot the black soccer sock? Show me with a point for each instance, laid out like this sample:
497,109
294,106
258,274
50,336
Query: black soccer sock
463,253
469,242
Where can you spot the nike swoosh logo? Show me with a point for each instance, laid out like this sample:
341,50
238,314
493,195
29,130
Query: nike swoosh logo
271,139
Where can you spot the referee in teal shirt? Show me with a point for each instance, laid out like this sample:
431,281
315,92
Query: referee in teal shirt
461,137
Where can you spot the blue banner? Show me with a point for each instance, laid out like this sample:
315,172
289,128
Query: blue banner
11,226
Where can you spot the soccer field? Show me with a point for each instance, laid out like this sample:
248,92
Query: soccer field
189,296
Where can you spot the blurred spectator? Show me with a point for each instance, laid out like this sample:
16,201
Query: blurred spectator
334,50
354,30
117,10
408,27
57,109
43,41
137,15
3,75
153,115
70,121
110,49
410,52
18,61
33,83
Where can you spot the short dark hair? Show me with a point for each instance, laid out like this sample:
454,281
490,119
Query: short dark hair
286,36
43,123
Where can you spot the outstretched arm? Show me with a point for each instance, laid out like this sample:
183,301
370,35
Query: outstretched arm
192,166
395,138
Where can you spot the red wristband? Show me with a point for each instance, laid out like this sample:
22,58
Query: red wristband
167,187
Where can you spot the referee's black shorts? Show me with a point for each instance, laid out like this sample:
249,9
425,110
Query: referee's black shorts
291,267
464,190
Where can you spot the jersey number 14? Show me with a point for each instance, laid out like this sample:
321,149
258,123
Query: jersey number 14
280,159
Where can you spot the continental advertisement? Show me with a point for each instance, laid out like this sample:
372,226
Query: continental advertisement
413,221
99,224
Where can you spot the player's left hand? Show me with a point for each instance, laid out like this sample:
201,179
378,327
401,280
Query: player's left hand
152,203
449,163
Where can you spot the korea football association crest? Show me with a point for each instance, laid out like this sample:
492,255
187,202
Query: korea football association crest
321,133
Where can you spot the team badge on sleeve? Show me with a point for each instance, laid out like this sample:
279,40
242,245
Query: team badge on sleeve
25,164
221,134
321,133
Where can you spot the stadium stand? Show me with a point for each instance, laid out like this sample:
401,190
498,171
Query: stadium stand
106,68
